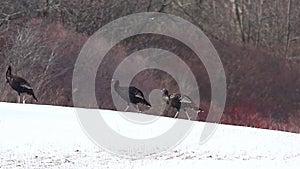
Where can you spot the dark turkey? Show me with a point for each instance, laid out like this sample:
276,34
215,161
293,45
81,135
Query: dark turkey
131,95
19,84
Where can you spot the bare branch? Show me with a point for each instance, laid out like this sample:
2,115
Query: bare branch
295,38
288,27
149,6
9,17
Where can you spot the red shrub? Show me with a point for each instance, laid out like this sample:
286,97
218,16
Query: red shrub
246,114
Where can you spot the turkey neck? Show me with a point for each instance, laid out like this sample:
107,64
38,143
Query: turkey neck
9,76
120,89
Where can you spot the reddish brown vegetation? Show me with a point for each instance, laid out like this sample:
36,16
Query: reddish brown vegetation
255,119
262,91
44,54
247,114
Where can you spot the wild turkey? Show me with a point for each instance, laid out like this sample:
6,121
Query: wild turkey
131,95
178,101
19,84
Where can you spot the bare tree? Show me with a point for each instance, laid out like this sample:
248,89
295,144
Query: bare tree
238,13
288,26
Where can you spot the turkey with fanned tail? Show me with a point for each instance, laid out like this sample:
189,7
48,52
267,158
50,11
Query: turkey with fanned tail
178,101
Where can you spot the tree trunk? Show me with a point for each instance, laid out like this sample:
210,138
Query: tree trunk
238,17
288,28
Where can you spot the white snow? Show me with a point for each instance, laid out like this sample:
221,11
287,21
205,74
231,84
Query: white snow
35,136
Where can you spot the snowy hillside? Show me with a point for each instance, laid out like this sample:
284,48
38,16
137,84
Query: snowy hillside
35,136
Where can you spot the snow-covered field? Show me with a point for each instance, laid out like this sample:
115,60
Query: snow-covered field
51,137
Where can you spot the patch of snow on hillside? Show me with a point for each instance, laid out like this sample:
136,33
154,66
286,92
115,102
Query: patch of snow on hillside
35,136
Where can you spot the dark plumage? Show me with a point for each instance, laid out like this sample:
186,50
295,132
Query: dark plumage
131,94
19,84
178,101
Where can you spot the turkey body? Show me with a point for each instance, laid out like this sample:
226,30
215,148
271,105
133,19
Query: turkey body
19,84
131,95
179,101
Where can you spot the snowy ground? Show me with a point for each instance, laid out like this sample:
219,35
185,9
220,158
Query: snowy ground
51,137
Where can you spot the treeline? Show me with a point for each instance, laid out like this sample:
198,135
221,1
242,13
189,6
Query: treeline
257,40
271,24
